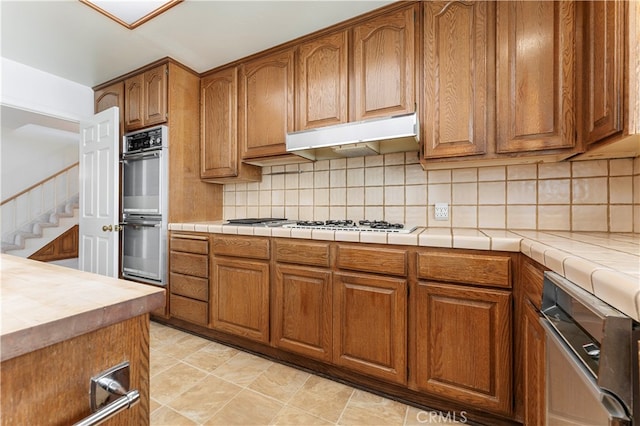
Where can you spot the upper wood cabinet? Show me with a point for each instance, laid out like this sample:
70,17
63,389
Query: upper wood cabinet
322,81
457,71
219,148
384,65
535,75
603,65
266,109
110,96
146,98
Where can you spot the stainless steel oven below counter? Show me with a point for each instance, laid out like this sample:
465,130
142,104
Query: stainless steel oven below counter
144,249
592,373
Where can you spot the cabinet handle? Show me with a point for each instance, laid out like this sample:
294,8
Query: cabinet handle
126,401
104,388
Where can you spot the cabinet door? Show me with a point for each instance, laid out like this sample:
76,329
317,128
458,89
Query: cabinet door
240,298
303,314
108,97
535,69
322,70
219,115
384,65
463,344
533,352
603,62
266,110
369,329
155,96
458,41
134,102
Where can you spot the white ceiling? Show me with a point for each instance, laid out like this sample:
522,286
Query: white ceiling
71,40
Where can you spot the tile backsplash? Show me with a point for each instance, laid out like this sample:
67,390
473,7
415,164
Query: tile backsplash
595,195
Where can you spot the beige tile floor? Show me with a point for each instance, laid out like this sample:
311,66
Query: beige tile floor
195,381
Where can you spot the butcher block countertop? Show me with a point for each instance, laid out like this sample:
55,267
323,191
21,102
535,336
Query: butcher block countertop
605,264
43,304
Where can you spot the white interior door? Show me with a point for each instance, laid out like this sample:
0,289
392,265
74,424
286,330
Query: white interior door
99,190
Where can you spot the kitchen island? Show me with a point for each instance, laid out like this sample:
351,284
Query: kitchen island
59,328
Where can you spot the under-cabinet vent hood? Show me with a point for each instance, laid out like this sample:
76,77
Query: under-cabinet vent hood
399,133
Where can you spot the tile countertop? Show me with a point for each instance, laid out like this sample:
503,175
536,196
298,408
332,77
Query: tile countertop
607,265
43,304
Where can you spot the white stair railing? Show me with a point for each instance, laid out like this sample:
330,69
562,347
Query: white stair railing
22,209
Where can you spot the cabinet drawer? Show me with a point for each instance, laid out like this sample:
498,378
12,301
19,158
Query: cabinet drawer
189,264
302,253
248,247
190,243
188,286
379,260
486,270
190,310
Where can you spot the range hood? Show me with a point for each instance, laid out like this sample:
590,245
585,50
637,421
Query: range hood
399,133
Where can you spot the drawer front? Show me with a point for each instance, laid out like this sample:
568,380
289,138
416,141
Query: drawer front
190,243
189,264
485,270
188,286
248,247
302,253
378,260
194,311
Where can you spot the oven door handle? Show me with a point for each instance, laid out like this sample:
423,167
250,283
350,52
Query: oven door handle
147,224
141,156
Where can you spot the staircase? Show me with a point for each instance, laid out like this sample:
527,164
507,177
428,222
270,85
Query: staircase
41,231
41,213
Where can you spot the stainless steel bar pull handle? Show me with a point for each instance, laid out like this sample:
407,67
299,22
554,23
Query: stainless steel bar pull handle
100,416
109,395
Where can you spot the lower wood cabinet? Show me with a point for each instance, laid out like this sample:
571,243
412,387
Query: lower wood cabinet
463,344
189,277
370,325
533,374
240,297
303,315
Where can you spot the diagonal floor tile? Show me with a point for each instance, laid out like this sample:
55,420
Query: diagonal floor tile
322,397
279,382
247,408
174,381
211,356
365,408
242,369
165,416
201,401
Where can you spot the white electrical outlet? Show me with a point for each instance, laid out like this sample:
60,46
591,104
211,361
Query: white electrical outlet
442,211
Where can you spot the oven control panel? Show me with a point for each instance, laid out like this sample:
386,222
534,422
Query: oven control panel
145,140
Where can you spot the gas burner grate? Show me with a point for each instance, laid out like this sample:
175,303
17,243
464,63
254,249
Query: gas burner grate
350,225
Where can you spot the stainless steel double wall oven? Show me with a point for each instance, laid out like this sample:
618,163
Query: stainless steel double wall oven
145,205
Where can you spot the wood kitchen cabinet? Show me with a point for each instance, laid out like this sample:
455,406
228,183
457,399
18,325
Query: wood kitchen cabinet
529,338
110,96
370,328
219,149
266,105
535,76
303,302
384,59
189,277
463,341
323,81
603,64
459,43
240,286
370,311
146,99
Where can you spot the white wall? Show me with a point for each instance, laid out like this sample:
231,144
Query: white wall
40,116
